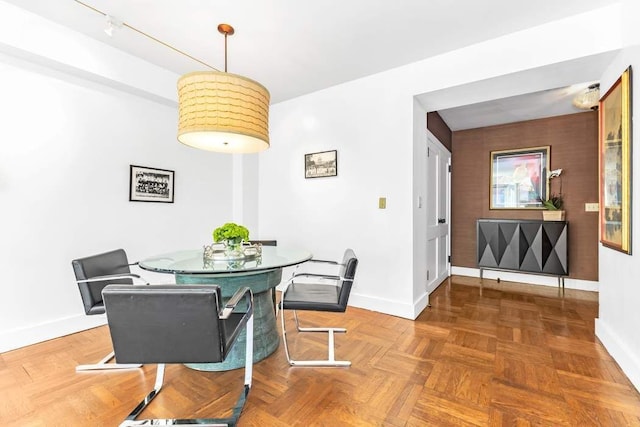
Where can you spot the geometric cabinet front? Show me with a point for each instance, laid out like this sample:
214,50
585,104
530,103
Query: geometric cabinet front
531,246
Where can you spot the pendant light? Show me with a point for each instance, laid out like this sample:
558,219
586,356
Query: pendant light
223,112
588,99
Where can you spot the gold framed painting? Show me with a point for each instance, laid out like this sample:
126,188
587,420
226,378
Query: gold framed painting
519,178
615,165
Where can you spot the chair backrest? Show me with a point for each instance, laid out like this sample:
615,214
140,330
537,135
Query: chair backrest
105,264
265,242
166,323
348,271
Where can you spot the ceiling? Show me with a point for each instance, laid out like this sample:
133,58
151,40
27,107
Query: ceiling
295,47
536,105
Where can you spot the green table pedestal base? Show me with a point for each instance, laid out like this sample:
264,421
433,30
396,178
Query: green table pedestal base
265,334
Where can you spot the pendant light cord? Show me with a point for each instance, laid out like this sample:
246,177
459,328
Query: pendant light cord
225,52
161,42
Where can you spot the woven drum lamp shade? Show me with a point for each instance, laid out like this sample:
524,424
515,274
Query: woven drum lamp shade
223,112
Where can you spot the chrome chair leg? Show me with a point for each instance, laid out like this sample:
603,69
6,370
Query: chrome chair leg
131,421
103,364
330,361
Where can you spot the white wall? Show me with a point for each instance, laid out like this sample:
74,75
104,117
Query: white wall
327,215
66,146
245,193
370,122
619,318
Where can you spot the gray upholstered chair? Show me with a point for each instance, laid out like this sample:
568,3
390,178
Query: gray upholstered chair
264,242
93,273
268,243
324,292
178,324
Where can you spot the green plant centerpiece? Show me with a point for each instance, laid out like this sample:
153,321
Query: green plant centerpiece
232,235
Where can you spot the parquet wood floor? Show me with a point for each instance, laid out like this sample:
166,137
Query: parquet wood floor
509,355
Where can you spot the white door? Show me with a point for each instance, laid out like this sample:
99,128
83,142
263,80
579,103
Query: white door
438,212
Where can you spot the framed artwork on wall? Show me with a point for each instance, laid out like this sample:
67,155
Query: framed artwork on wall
615,165
150,184
519,178
319,165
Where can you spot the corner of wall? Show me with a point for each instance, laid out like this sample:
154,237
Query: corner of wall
622,354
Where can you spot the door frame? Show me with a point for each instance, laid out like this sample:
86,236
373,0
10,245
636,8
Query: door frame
434,139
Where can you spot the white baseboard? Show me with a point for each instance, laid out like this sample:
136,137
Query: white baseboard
16,338
386,306
624,357
533,279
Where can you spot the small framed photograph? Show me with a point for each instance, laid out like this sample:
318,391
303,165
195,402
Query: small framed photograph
150,184
319,165
519,178
615,165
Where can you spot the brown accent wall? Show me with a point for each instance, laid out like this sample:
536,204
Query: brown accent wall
574,148
439,128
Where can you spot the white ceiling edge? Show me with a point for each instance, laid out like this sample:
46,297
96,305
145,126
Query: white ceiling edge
526,95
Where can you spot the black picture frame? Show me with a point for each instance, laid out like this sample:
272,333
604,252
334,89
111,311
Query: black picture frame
151,184
321,164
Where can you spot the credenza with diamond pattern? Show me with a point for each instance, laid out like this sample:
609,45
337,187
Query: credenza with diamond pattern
527,246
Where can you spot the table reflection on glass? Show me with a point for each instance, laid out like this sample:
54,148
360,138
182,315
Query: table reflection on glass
261,274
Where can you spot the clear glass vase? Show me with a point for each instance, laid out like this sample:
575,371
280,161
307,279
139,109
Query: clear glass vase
233,249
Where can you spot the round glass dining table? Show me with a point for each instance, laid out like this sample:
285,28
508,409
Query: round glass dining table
261,274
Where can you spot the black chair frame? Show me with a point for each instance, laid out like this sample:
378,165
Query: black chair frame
273,291
91,286
126,344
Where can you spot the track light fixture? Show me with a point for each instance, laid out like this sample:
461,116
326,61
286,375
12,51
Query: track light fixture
217,111
112,24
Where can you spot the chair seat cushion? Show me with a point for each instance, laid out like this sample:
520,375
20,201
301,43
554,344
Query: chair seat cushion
311,296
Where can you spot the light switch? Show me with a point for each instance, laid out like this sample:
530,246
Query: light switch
382,203
591,207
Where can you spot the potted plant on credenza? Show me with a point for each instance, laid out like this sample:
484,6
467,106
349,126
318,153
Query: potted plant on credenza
555,202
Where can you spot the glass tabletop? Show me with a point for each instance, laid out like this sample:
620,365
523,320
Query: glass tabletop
193,262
